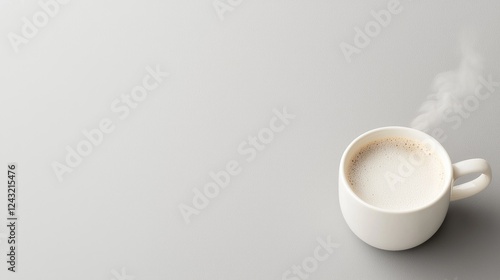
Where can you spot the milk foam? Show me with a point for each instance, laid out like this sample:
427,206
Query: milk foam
396,173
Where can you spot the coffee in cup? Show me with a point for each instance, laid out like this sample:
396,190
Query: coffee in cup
396,173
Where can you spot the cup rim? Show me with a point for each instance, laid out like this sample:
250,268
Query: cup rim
443,156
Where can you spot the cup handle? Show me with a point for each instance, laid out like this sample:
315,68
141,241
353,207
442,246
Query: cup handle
477,165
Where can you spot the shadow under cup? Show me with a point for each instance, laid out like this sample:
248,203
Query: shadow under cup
394,229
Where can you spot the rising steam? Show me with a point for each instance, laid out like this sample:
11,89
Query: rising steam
451,87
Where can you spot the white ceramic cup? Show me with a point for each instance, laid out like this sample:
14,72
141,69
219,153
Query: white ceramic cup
390,229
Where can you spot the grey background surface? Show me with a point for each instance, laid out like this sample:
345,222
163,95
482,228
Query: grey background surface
116,215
